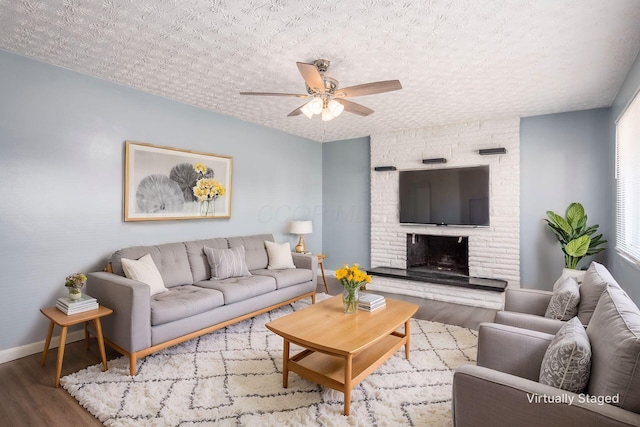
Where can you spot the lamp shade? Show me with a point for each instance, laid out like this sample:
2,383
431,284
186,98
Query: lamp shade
301,227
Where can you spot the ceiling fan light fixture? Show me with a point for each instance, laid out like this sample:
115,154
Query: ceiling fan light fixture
335,107
315,105
306,110
327,115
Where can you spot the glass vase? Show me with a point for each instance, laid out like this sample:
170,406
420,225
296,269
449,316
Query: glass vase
75,295
350,300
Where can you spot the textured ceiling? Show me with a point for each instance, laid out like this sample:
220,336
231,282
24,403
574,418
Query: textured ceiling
457,60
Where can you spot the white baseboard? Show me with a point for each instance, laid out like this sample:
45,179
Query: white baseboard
28,349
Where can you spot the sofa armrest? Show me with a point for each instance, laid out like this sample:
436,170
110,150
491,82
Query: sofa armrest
529,321
532,301
485,397
307,261
129,326
512,350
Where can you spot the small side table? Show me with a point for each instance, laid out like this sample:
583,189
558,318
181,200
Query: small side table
56,317
321,258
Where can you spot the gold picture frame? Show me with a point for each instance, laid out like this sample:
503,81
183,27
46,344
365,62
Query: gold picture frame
166,183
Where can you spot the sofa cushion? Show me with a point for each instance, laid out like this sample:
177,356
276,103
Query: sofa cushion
183,301
279,255
171,260
198,262
564,302
225,263
594,283
614,332
238,289
254,251
566,363
145,271
288,277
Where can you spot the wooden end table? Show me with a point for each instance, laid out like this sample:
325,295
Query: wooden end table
342,349
56,317
321,258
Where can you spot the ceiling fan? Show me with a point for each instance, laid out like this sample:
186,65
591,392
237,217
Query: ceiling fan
326,98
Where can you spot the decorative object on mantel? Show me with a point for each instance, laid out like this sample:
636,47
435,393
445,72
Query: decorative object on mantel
74,284
301,228
352,279
575,239
490,151
164,183
434,160
384,168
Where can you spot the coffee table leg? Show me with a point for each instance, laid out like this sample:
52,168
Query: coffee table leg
285,364
347,383
407,332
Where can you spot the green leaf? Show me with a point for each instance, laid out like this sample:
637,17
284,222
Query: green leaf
578,247
560,222
574,214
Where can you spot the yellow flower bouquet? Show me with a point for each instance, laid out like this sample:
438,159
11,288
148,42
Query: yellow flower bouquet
352,279
207,190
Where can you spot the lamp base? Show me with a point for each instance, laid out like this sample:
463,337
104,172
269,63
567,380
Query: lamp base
300,248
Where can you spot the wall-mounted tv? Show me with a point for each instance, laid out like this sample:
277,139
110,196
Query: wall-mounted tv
454,196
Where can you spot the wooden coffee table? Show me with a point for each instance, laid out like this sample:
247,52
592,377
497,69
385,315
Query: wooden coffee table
342,349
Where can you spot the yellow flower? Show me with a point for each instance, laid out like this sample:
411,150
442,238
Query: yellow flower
352,277
200,167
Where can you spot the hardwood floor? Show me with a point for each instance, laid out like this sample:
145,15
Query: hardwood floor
28,398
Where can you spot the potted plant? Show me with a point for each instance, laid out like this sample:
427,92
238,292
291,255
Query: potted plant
74,283
576,239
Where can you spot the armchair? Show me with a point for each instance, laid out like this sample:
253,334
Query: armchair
503,389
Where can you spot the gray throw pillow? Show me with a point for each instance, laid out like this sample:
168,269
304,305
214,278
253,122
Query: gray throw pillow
225,263
567,362
593,284
564,302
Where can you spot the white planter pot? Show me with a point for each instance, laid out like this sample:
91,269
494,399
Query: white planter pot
570,272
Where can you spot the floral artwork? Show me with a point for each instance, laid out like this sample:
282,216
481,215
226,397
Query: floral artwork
163,183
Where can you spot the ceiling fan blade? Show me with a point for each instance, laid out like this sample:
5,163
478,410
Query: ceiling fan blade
295,112
297,95
369,88
311,76
354,108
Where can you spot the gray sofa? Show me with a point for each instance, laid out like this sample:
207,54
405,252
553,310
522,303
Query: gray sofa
504,388
142,324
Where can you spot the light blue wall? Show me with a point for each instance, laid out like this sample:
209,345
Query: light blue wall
61,172
627,274
346,202
563,158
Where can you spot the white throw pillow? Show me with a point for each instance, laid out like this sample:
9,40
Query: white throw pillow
279,255
144,270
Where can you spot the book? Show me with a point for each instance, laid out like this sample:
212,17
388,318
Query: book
84,300
366,299
372,308
68,306
76,310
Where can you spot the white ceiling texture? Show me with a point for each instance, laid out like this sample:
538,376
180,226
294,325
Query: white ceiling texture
457,60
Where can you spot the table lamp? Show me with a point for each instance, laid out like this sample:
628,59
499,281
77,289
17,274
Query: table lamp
301,228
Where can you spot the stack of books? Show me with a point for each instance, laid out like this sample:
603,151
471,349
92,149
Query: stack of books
85,303
370,302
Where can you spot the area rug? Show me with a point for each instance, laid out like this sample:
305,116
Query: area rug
233,377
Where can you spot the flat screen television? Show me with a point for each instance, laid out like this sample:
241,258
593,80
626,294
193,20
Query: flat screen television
455,196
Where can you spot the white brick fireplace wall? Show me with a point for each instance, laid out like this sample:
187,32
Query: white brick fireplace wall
494,251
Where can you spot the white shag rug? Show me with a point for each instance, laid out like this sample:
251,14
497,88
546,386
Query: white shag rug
233,377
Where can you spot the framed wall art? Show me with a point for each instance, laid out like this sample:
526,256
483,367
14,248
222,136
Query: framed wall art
164,183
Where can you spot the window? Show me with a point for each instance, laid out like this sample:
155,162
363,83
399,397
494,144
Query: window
628,182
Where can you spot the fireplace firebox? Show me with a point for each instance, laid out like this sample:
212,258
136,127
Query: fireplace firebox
444,254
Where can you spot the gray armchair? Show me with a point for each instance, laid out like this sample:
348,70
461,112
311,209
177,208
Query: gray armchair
503,389
525,308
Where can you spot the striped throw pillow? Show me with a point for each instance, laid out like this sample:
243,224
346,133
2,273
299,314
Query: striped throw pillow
225,263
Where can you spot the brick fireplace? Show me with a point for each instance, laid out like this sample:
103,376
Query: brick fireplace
494,251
